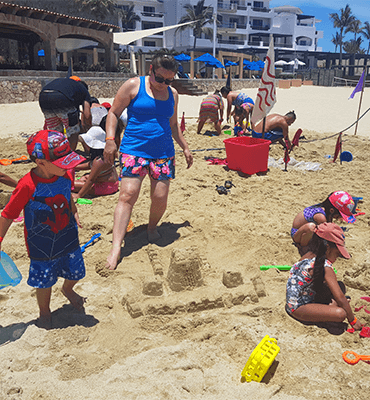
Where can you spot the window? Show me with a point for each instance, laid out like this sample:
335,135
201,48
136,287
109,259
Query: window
258,4
149,9
257,22
149,43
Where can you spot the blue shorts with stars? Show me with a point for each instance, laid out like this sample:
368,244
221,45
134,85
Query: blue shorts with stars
44,274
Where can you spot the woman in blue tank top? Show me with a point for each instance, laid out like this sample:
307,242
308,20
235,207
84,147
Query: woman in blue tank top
146,147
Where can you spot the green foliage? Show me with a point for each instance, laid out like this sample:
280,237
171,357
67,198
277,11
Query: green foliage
100,8
341,21
128,18
200,15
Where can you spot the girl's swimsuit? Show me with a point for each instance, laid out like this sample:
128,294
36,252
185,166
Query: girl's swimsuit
299,286
308,214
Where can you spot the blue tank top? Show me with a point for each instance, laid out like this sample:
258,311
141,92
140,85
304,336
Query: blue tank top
148,132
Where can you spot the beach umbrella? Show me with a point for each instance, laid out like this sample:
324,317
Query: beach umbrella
228,81
230,63
182,57
281,62
209,60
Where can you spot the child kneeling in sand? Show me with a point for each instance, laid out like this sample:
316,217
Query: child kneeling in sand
103,178
313,293
338,205
51,220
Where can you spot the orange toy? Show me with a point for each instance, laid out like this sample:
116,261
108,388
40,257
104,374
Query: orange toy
6,161
356,358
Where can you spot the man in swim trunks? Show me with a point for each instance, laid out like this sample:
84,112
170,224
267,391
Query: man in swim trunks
60,102
276,128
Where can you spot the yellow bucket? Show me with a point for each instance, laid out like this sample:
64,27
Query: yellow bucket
261,359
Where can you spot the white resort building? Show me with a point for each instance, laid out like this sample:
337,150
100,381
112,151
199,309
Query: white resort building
242,25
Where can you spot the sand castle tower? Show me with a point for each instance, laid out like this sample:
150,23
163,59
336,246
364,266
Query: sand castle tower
184,272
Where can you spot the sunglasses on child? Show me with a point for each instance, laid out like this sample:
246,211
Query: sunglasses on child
160,79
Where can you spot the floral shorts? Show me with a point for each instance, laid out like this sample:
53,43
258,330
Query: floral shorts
159,169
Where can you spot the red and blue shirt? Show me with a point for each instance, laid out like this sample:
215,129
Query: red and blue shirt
49,225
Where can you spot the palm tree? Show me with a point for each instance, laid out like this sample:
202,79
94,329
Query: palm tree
200,15
353,46
129,18
342,21
354,27
366,33
336,40
99,8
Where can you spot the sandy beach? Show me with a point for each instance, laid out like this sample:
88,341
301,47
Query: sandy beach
193,344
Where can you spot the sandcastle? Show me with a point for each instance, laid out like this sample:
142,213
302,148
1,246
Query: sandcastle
168,293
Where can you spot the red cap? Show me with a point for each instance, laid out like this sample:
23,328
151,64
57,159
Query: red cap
106,105
333,233
344,203
54,147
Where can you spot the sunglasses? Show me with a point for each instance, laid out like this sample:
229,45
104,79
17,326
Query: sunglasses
160,79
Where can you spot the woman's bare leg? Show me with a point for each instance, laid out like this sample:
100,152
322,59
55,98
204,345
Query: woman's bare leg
159,194
128,195
200,126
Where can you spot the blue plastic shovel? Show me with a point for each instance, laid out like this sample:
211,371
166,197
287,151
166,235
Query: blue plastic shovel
90,241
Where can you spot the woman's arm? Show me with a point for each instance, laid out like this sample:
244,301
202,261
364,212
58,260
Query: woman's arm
123,98
176,131
339,297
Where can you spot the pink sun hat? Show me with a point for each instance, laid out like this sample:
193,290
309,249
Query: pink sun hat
344,203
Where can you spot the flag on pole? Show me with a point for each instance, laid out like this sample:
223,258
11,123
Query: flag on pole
338,147
359,85
182,124
266,95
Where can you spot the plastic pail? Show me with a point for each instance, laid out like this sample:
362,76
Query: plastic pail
346,156
9,274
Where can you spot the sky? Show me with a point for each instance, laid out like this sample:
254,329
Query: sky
321,9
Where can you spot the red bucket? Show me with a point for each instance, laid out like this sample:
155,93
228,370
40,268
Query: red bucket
247,154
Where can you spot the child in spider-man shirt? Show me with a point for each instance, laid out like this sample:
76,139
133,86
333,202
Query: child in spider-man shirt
51,220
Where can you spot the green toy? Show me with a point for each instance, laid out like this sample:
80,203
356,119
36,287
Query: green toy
280,267
84,201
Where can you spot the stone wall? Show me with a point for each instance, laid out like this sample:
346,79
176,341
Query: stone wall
210,85
22,88
18,86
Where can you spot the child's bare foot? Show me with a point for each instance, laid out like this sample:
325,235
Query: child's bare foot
112,259
153,236
75,299
44,321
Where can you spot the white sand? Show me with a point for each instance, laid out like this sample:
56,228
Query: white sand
107,354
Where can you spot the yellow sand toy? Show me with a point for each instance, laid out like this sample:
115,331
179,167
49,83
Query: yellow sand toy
261,359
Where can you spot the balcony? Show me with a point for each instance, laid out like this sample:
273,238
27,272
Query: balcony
232,26
261,9
227,7
150,14
260,28
230,41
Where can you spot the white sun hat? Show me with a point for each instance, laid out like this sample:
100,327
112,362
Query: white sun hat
94,137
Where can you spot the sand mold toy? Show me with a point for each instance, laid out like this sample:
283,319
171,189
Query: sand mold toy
261,359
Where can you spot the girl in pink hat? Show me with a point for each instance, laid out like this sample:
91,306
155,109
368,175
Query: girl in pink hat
338,205
313,293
